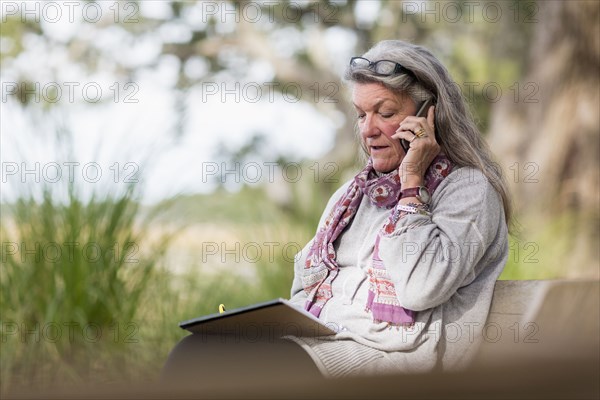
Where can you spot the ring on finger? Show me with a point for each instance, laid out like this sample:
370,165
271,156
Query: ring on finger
420,132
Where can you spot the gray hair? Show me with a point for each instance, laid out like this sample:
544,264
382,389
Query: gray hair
456,131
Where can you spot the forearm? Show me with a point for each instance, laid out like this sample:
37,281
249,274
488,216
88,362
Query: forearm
426,263
429,257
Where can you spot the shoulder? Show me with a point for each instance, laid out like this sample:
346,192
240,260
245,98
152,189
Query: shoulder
468,193
465,175
467,182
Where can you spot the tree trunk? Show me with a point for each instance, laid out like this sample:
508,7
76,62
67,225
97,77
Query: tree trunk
548,139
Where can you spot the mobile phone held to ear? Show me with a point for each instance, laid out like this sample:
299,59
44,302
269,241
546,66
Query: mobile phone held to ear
421,113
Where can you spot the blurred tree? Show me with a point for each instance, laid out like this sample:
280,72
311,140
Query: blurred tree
302,43
548,134
543,127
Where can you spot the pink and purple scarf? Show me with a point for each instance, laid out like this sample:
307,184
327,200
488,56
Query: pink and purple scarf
321,266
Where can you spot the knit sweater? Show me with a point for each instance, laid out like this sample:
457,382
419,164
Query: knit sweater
443,266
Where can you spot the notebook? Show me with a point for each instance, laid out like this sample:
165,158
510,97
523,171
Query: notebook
269,320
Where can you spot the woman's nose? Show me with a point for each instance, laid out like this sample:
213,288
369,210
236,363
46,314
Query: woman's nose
369,127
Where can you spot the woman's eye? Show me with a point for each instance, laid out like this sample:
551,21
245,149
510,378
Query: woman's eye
387,115
360,116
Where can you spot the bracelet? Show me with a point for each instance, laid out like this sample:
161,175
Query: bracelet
420,206
411,209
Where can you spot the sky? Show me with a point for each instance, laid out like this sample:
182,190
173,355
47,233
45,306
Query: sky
131,133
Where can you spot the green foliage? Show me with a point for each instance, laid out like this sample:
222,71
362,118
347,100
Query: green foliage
117,311
73,276
524,262
550,248
247,206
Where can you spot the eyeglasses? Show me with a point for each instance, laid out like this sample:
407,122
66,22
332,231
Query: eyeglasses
381,67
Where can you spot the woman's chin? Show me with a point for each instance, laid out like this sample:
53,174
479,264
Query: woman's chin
384,166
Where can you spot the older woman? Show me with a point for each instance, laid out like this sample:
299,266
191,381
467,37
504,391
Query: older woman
407,253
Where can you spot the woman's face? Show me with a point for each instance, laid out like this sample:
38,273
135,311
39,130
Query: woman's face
380,112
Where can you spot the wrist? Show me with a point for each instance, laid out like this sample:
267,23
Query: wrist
407,200
420,193
405,207
415,208
409,181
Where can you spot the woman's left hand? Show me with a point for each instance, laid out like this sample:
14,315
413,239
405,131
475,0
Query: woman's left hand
420,132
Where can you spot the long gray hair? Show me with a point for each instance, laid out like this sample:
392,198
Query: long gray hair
455,129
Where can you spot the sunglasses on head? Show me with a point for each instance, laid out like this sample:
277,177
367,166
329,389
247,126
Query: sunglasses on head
381,67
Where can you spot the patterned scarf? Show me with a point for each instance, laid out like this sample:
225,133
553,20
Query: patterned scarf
321,266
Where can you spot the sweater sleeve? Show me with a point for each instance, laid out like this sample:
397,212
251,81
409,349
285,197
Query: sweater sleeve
429,258
298,296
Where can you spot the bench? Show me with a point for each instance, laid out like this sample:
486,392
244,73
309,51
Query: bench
542,319
548,347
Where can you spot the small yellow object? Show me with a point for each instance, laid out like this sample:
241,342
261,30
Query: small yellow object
221,308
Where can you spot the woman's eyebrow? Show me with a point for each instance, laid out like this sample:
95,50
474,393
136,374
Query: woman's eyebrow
377,104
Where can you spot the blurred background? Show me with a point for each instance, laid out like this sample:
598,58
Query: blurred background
162,157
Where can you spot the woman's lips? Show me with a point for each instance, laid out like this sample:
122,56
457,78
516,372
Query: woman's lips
378,148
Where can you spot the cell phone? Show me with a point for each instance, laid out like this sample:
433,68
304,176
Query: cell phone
421,113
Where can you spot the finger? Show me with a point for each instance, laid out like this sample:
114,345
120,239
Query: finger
409,126
431,116
400,132
403,134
